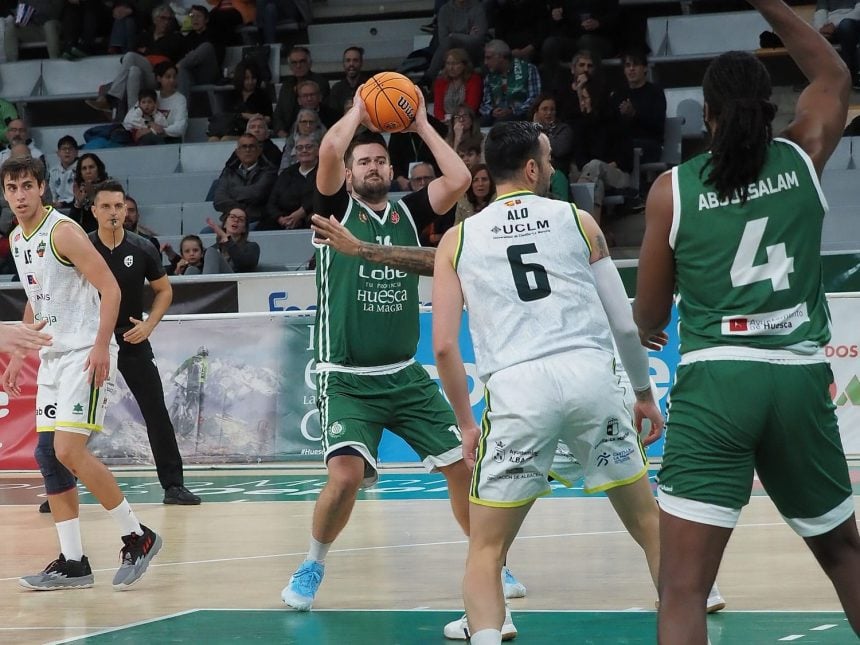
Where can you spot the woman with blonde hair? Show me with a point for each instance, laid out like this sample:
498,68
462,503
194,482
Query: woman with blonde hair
456,85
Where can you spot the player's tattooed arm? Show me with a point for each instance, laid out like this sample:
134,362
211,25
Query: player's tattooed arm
601,248
412,259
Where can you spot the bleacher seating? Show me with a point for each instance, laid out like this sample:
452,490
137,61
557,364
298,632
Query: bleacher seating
701,36
143,160
173,188
194,216
20,80
162,219
205,157
77,79
843,156
689,104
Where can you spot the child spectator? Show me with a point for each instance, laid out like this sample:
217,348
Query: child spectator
146,124
189,260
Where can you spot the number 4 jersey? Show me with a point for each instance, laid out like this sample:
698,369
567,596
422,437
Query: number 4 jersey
750,274
523,263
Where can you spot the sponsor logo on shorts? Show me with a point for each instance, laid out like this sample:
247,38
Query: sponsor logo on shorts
603,459
767,323
499,452
50,411
78,409
521,456
335,429
666,488
622,457
612,426
515,473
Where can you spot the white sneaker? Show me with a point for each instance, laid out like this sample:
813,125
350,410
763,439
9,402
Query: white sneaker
715,600
458,630
513,587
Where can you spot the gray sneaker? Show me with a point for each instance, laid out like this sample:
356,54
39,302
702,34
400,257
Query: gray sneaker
61,574
135,554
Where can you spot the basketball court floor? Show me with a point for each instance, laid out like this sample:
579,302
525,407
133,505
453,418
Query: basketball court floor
393,577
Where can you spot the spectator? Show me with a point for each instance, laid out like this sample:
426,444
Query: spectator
310,98
162,43
61,178
247,181
172,104
247,99
307,123
510,86
457,85
460,23
132,221
127,23
232,251
839,22
300,63
407,148
610,154
641,108
559,133
521,24
82,22
344,90
89,172
571,102
270,12
420,176
189,260
43,26
202,62
8,113
469,150
463,125
291,202
18,132
576,25
228,15
257,126
478,195
145,123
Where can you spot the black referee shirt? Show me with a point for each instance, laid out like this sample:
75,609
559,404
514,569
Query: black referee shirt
133,260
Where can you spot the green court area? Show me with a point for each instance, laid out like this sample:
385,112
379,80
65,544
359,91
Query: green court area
253,487
338,627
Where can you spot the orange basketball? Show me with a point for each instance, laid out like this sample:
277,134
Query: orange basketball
391,100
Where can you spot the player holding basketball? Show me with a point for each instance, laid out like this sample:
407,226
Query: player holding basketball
367,333
738,232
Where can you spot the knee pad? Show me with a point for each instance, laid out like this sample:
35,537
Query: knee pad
58,478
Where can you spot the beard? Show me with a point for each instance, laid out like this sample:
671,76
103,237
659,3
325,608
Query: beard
374,192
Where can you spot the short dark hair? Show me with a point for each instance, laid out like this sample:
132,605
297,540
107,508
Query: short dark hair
509,145
200,8
637,55
355,48
147,93
18,167
109,185
161,68
69,140
361,139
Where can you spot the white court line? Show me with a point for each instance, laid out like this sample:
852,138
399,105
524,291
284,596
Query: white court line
393,546
121,627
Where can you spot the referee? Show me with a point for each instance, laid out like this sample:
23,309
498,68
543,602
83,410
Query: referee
133,258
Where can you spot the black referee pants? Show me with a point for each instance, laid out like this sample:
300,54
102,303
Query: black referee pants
136,363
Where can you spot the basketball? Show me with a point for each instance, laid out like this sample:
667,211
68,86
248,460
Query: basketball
391,100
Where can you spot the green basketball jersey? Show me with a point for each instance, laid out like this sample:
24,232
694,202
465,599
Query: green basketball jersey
367,313
750,274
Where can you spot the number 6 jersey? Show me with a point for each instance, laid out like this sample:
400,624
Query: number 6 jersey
524,268
737,283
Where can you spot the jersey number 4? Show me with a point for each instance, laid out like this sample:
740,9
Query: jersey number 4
530,278
776,269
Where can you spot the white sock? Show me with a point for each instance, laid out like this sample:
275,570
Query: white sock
318,550
71,545
487,637
125,517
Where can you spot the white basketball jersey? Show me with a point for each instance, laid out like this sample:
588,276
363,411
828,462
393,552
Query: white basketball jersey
523,263
57,291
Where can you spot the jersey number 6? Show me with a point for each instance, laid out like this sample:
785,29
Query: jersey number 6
528,289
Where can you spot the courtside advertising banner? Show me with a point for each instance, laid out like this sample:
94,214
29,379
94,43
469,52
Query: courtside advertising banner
241,388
